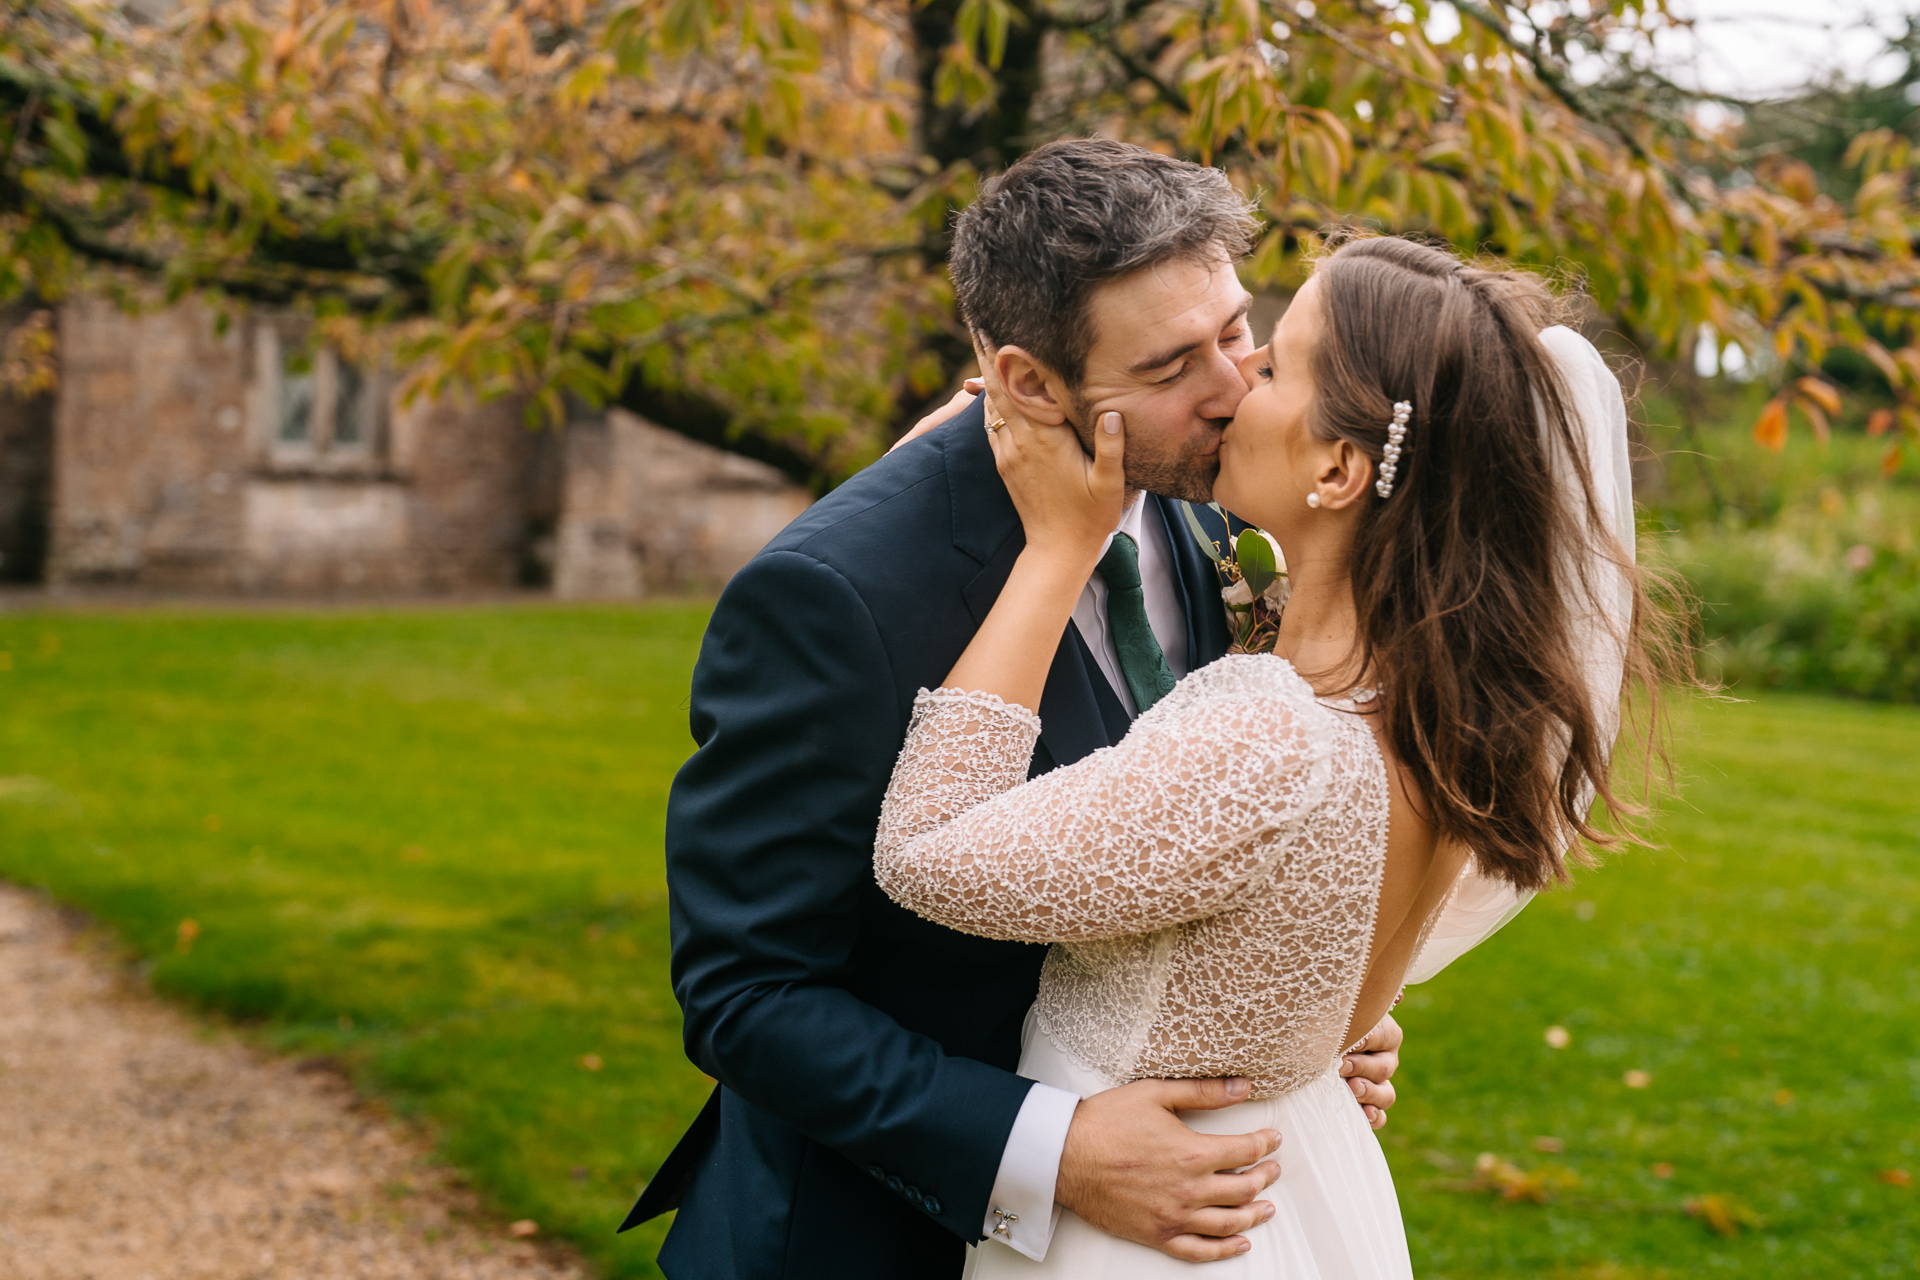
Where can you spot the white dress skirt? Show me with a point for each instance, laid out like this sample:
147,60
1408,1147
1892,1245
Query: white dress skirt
1337,1219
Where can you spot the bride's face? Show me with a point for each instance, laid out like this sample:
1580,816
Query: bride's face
1269,461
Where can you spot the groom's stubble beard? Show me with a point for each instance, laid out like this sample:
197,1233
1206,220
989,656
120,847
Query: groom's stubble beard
1167,473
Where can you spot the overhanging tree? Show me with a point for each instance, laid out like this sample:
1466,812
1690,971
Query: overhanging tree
733,213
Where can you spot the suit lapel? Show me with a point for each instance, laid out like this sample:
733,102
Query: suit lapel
987,527
1198,580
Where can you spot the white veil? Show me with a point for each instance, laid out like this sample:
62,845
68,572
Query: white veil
1597,414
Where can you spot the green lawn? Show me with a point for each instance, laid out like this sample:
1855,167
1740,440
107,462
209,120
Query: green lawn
428,843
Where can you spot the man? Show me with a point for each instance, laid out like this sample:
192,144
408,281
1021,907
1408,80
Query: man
867,1121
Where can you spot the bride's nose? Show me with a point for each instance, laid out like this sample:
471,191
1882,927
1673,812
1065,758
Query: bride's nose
1253,365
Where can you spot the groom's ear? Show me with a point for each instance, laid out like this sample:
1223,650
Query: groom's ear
1036,391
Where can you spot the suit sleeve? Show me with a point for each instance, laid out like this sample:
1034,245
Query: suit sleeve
769,851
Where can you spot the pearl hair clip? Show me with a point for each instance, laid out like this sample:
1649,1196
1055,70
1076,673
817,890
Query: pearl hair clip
1396,432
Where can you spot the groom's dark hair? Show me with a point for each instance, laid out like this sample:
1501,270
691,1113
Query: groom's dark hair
1064,218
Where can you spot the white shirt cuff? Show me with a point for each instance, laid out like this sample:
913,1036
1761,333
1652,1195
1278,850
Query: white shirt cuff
1022,1214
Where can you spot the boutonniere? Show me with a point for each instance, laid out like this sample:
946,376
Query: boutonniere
1253,577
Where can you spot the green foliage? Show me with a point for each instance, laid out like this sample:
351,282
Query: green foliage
1806,561
1786,608
437,858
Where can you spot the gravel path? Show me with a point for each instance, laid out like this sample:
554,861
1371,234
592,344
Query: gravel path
136,1146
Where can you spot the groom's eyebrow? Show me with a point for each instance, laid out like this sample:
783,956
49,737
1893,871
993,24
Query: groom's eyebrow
1161,359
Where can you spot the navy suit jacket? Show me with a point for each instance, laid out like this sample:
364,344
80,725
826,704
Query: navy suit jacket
864,1056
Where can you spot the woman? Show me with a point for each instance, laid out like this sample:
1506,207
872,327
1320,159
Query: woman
1285,839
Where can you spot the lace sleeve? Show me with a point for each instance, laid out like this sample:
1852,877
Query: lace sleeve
963,748
1173,824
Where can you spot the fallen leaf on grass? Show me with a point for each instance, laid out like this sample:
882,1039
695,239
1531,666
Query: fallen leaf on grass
1551,1146
1723,1214
1895,1177
1663,1170
524,1228
1783,1098
1558,1037
1636,1079
1511,1182
183,936
591,1062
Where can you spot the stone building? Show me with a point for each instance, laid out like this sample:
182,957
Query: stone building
179,455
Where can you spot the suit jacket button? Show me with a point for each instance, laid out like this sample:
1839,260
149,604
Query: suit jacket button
879,1174
931,1205
913,1194
894,1184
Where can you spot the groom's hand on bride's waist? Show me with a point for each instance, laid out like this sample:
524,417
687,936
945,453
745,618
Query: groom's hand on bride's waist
1369,1069
1132,1168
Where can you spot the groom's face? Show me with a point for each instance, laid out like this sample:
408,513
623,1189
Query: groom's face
1167,343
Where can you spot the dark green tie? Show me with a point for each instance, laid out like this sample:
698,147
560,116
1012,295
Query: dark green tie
1142,665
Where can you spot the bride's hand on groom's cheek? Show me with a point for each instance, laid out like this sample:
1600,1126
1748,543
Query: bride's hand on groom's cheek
1068,502
1132,1168
1369,1070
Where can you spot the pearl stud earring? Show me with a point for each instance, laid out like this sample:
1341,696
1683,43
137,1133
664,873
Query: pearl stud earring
1313,499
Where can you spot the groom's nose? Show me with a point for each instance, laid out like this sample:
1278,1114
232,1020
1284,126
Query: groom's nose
1224,389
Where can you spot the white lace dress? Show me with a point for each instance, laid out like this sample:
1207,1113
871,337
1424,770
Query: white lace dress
1210,885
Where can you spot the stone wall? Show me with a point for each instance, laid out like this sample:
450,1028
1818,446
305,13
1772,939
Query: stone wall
169,473
150,455
187,456
648,510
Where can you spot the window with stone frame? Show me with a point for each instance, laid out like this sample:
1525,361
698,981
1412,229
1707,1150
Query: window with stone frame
316,406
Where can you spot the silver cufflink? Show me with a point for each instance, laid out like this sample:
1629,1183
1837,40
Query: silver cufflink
1006,1220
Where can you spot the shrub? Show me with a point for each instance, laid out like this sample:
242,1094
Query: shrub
1804,605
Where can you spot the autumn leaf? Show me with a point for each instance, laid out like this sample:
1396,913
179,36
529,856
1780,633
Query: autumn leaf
1879,422
1723,1214
1820,392
1890,460
1492,1173
1770,432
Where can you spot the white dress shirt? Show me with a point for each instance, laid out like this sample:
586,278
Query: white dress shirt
1030,1163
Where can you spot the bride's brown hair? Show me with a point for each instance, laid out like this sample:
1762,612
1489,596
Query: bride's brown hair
1468,577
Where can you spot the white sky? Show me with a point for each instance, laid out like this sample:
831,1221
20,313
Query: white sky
1755,47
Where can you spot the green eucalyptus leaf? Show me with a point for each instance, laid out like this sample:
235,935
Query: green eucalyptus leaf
1255,556
1200,533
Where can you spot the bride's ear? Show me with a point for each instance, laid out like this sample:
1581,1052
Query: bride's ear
1033,389
1343,475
